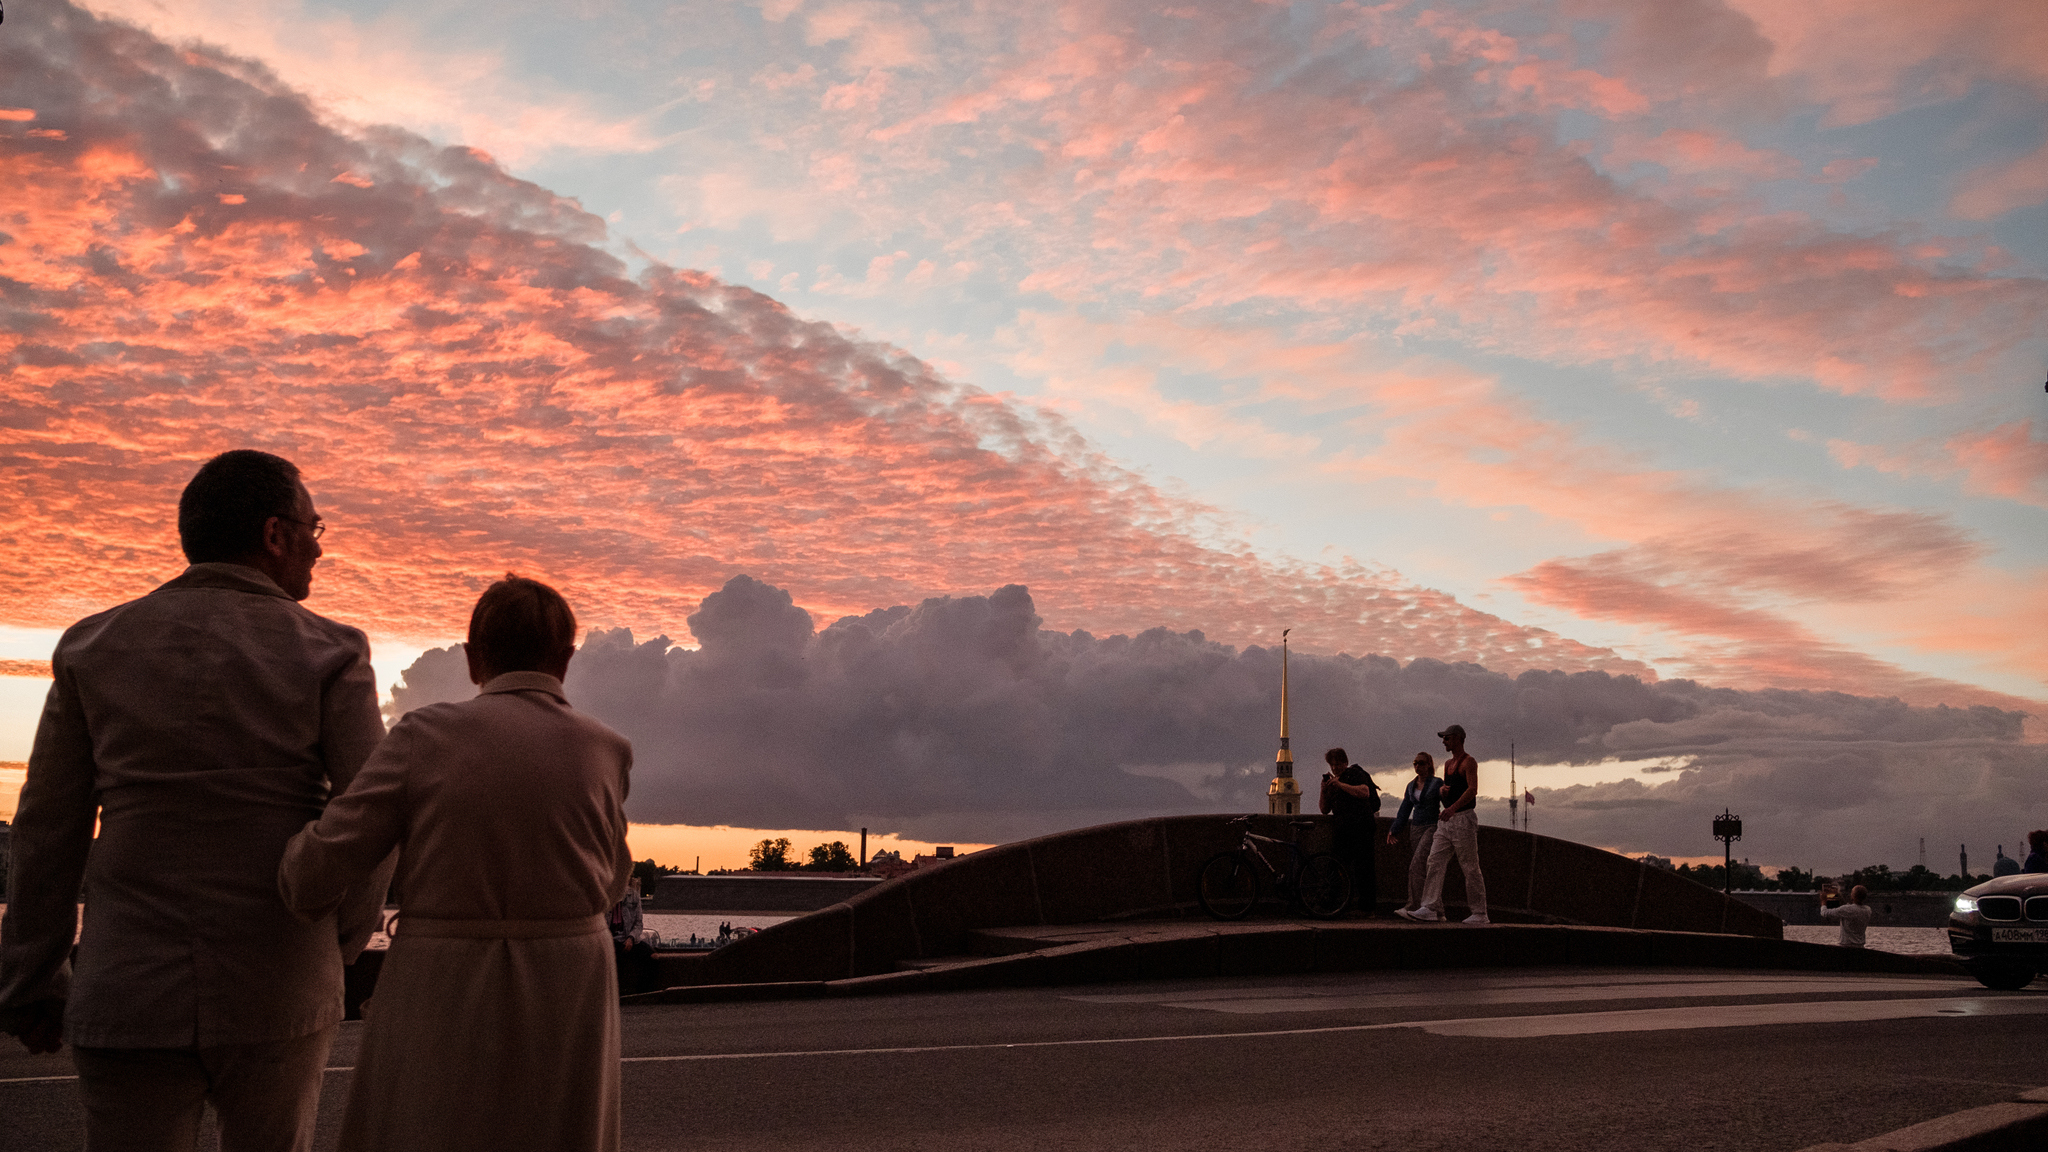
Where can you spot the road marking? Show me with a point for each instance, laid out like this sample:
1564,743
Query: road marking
1490,1027
1570,1024
1478,997
1398,986
1732,1016
62,1079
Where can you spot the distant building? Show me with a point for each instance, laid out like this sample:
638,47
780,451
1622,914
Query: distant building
890,865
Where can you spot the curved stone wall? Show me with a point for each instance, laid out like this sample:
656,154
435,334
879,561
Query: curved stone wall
1144,868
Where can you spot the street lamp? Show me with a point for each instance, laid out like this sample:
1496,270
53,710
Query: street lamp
1727,829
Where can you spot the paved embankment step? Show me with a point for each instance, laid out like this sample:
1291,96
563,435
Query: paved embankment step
1164,950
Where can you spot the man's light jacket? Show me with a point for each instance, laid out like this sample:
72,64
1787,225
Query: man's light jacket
203,725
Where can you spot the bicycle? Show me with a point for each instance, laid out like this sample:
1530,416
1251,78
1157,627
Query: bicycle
1314,882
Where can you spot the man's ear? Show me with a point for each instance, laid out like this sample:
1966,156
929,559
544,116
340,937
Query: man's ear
276,536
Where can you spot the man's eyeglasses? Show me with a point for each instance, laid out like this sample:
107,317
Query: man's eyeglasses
319,527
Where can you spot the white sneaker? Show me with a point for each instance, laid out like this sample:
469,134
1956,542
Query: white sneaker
1478,919
1420,915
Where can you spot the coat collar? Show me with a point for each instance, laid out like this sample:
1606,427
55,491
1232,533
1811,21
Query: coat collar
524,682
236,577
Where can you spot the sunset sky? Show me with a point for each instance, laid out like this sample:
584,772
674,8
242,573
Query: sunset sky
1701,341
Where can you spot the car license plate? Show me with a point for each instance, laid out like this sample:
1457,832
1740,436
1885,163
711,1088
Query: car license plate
2019,935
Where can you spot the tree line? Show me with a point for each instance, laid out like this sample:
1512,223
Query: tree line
1875,877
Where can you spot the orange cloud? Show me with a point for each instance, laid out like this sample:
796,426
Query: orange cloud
473,384
2006,461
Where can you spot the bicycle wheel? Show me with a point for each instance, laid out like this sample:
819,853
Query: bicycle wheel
1324,888
1228,885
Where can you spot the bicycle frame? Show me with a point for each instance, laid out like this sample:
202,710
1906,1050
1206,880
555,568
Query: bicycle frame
1232,891
1281,875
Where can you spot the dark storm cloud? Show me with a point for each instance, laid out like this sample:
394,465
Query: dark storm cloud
963,718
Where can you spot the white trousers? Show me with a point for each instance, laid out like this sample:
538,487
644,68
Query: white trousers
1421,836
1455,834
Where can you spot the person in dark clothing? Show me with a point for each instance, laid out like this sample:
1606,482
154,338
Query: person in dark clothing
2037,856
1350,795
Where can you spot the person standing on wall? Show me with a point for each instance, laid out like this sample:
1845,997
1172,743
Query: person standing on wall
201,725
1350,795
1420,803
1457,832
1854,917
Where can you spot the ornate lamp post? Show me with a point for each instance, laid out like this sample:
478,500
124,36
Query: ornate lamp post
1727,829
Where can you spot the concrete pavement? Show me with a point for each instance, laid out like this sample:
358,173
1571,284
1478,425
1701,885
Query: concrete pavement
1628,1059
1198,947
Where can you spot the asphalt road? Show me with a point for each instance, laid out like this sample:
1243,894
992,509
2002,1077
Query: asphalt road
1634,1060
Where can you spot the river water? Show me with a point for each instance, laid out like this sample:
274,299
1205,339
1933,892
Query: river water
1911,941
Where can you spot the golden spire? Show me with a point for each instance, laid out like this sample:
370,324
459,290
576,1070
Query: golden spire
1283,796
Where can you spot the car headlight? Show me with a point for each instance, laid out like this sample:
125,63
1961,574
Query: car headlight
1965,905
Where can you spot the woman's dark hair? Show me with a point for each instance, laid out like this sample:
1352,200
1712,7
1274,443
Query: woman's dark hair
2038,840
1337,757
225,505
519,625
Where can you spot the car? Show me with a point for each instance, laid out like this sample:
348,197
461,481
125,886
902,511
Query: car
1999,930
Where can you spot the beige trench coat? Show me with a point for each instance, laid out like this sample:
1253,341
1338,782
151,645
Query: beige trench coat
203,725
495,1022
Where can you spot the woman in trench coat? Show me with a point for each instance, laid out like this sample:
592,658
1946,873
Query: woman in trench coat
495,1021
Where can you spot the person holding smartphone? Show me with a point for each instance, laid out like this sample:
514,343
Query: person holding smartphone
1350,795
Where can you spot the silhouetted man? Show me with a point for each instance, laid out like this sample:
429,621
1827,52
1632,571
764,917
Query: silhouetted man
1350,795
203,724
1457,834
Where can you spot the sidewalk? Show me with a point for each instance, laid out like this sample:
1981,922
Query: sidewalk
1179,949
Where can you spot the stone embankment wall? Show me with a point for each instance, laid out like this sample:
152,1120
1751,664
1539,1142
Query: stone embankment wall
768,892
1889,909
1147,868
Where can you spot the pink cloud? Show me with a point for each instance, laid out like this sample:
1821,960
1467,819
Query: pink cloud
1843,171
2006,461
473,384
1736,581
1996,189
381,70
1444,203
1867,59
1729,641
1690,151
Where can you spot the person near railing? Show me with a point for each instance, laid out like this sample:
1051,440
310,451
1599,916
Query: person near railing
1420,803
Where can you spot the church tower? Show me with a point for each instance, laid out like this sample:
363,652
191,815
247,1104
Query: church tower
1283,796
